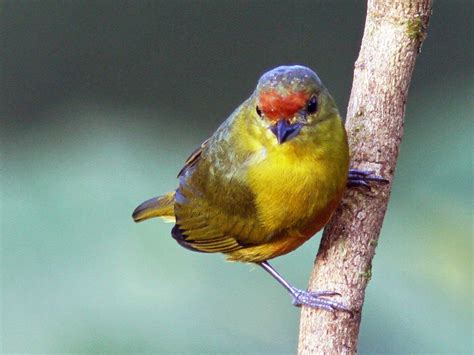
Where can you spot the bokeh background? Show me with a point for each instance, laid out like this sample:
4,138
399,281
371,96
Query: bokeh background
102,101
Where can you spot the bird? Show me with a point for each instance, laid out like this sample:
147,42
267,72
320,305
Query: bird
267,180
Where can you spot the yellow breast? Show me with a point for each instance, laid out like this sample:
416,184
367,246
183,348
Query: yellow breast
296,182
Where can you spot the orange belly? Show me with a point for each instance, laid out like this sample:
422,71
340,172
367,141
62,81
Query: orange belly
287,241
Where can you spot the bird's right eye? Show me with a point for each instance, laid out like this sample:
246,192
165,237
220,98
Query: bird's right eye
259,112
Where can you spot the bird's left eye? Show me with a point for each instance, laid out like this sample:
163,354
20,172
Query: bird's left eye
312,105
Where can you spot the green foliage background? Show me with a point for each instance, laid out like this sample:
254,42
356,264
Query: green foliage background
101,103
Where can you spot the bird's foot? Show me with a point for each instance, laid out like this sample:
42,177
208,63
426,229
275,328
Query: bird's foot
362,178
315,299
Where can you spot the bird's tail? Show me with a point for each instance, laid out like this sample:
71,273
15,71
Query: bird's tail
161,206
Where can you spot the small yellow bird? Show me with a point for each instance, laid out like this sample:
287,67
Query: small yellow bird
267,180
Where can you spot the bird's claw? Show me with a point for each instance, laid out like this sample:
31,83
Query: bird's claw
362,178
314,299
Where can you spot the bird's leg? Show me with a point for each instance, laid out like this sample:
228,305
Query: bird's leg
306,298
362,178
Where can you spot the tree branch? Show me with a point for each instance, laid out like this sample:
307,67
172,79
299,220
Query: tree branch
393,34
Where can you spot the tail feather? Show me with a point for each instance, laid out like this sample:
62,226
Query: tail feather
161,206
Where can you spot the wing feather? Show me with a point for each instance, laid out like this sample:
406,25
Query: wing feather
193,158
215,209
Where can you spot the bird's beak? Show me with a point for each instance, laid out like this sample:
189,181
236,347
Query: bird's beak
284,131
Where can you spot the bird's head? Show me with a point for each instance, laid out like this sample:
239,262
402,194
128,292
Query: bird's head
291,99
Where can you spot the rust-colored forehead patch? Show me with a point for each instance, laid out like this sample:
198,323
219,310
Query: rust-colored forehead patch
275,106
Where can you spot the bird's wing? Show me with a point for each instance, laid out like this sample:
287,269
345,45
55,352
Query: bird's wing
215,210
214,219
193,157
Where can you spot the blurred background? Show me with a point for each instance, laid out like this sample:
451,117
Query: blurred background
101,103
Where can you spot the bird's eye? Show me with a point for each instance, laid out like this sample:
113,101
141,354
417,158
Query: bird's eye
259,112
312,105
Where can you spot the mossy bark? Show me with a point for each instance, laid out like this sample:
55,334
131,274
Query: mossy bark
393,34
